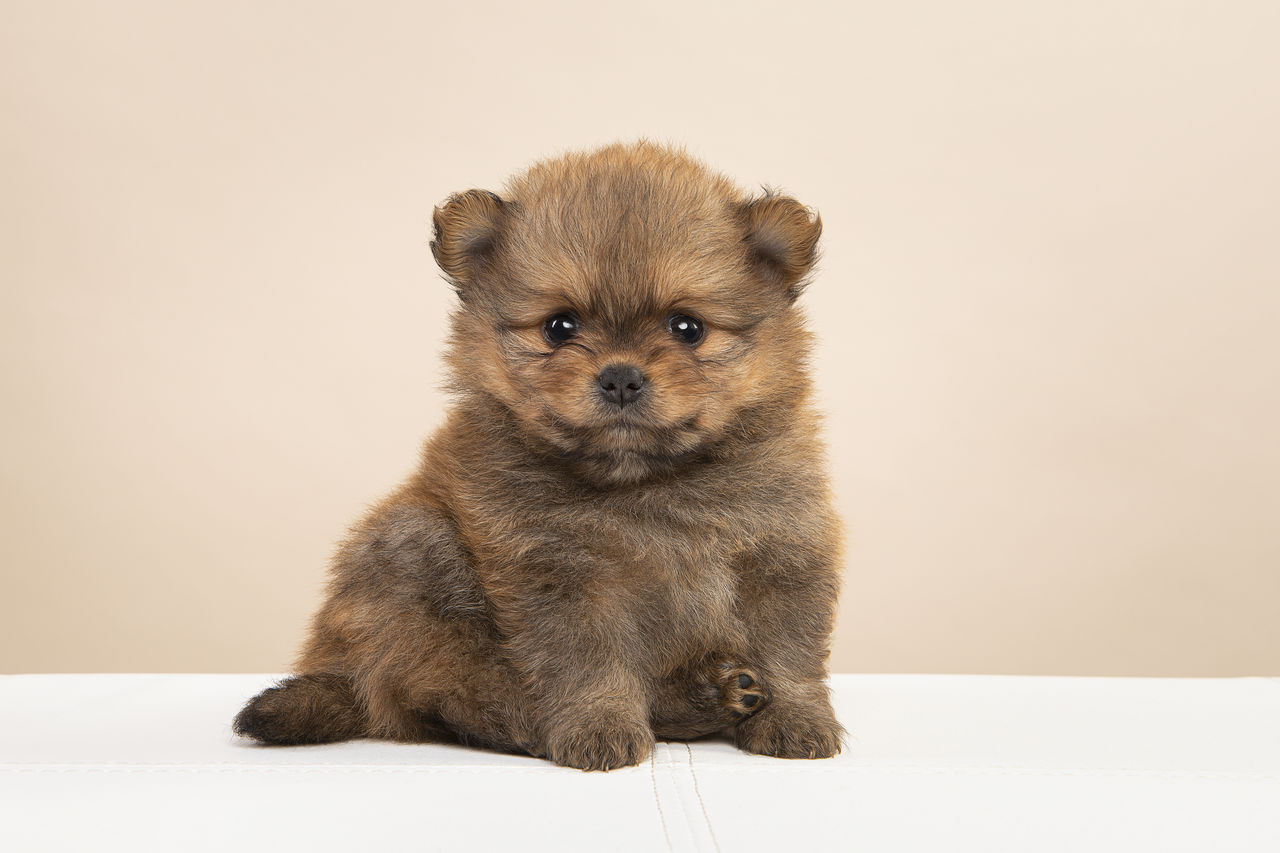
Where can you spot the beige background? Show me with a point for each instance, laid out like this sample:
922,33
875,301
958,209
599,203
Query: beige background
1048,308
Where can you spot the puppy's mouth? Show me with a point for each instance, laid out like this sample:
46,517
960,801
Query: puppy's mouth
626,432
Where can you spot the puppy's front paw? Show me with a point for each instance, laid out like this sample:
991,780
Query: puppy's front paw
602,743
791,731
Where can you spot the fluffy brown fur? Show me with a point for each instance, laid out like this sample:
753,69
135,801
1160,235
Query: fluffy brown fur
567,576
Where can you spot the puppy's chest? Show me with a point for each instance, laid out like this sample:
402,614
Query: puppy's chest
682,585
664,559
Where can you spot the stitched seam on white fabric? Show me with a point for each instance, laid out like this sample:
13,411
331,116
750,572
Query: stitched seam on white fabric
1011,771
715,842
126,767
1211,775
675,784
657,800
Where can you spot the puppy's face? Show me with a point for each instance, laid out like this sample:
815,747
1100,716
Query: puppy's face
626,305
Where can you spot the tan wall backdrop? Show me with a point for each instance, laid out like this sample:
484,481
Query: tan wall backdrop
1049,308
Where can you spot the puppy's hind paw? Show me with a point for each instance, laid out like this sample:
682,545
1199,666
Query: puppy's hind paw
791,731
741,691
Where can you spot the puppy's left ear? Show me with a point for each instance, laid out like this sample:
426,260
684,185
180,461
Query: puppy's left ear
467,227
782,238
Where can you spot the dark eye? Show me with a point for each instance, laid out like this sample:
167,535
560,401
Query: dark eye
686,329
560,328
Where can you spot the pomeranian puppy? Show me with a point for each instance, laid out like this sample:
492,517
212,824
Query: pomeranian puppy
623,530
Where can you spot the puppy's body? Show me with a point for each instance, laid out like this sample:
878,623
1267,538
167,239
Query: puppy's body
576,568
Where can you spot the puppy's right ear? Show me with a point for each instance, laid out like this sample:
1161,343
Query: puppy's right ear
466,229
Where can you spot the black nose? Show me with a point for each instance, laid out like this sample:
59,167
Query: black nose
620,383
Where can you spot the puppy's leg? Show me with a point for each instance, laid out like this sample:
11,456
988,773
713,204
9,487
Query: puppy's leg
431,679
402,649
569,630
708,697
788,594
408,620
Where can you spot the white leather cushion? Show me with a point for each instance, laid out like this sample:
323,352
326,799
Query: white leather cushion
983,763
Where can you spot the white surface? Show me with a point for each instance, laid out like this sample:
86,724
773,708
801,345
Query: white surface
984,763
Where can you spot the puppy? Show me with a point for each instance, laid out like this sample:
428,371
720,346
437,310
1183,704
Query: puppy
623,529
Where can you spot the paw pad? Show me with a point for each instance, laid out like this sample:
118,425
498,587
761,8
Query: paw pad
741,691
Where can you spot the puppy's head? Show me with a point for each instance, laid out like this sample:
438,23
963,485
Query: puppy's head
626,305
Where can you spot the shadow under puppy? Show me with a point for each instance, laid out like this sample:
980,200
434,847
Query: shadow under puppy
623,529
